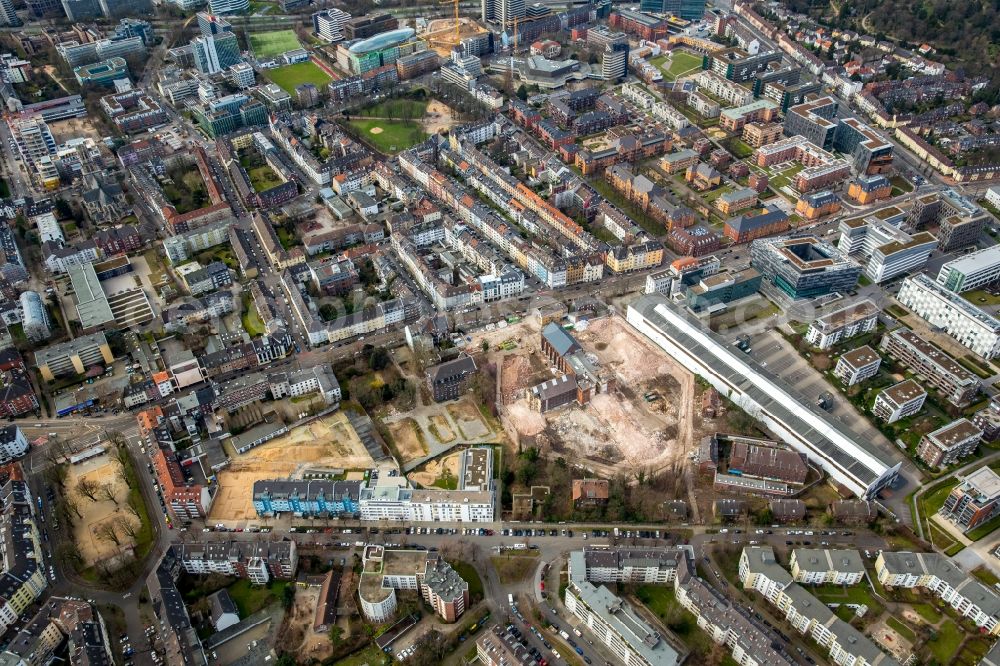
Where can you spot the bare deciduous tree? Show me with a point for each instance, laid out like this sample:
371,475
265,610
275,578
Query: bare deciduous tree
127,527
88,488
108,492
108,531
131,508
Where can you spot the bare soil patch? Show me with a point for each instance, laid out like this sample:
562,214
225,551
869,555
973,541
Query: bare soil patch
435,469
329,442
408,438
440,428
101,470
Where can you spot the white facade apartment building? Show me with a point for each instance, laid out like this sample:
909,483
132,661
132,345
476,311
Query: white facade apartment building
842,324
749,640
721,87
626,565
617,626
993,196
317,379
857,365
970,326
826,567
973,271
390,498
847,646
13,443
938,574
899,401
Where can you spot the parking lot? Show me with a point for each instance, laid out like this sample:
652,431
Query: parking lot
776,356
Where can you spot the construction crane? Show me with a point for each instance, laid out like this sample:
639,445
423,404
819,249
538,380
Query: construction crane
458,35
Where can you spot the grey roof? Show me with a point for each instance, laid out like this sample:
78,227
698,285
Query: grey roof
221,604
561,341
761,560
816,429
624,621
444,581
70,348
715,609
820,559
459,367
749,222
788,508
935,564
307,490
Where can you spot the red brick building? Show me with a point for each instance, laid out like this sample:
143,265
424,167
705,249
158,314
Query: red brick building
186,500
756,224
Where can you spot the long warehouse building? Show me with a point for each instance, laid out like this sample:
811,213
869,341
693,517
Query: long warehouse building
789,415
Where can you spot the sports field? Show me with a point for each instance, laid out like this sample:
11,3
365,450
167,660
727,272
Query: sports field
273,43
290,76
681,63
389,136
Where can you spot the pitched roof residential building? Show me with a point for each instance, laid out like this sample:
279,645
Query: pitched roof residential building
940,575
589,491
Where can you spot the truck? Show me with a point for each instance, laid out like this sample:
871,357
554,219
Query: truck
510,600
617,533
562,632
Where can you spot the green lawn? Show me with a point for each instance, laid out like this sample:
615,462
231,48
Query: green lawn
263,178
928,612
944,645
975,366
933,500
470,576
662,602
902,629
250,598
851,594
981,297
681,63
985,575
273,43
144,537
252,323
784,178
370,656
395,135
899,183
399,109
290,76
739,148
983,530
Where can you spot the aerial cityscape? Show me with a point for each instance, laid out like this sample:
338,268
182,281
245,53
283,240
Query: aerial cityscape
494,332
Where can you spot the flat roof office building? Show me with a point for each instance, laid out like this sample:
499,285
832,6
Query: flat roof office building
973,271
803,267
